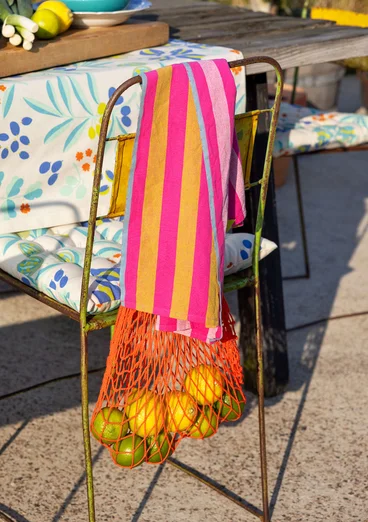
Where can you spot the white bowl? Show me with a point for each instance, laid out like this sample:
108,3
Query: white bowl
109,18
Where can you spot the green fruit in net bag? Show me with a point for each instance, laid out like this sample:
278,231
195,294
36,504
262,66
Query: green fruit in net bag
129,452
206,425
232,405
159,448
109,425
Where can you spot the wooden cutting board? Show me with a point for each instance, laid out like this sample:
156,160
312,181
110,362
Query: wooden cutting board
77,45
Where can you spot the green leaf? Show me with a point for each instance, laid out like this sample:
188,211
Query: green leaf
71,180
51,93
92,87
8,100
81,192
1,177
14,187
64,93
74,135
56,131
80,96
41,107
66,190
8,206
34,191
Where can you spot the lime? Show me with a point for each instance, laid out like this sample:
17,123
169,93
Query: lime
145,413
205,384
48,24
63,13
182,411
232,405
129,452
109,425
206,424
159,448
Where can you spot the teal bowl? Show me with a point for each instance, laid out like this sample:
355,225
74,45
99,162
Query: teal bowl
96,6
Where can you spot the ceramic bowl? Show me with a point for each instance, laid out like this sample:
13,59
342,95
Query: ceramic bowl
105,19
96,6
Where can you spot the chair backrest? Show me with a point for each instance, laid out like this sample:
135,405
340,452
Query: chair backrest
246,127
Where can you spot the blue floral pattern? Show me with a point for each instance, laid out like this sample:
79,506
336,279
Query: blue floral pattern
50,118
51,169
15,142
51,260
301,129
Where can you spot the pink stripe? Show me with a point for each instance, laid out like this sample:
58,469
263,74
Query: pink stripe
223,126
237,206
214,156
139,183
202,256
229,87
172,188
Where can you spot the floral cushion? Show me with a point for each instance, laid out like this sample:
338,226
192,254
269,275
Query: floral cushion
301,129
51,260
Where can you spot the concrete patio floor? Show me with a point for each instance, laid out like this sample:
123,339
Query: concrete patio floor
316,431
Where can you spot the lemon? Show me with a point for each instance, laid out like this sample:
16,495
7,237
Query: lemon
109,425
232,405
159,448
206,424
47,22
182,411
205,384
129,452
145,413
62,11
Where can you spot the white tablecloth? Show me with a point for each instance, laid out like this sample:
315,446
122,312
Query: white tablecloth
49,127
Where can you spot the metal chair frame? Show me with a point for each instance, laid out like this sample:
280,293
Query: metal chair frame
250,278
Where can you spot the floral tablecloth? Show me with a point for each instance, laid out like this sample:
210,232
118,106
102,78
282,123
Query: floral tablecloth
49,128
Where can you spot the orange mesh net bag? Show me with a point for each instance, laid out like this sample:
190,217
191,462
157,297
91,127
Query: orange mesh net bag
161,387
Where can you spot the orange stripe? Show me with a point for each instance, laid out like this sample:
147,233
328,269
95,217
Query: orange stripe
151,215
187,226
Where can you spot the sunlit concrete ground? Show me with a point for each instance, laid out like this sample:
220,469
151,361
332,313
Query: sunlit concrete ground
316,431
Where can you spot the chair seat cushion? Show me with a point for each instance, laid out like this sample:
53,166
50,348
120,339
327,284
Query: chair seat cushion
301,130
51,260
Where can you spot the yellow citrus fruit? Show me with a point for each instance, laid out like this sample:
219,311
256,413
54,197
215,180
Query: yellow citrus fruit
109,425
62,11
232,405
145,413
48,24
129,452
182,411
206,424
205,384
159,448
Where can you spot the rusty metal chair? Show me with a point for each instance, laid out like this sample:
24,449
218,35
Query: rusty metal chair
246,125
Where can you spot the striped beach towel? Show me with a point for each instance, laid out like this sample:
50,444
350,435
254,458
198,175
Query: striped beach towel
185,185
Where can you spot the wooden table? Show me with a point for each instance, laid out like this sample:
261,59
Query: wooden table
292,42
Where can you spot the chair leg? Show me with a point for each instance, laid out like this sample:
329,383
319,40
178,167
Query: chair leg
261,412
85,422
301,221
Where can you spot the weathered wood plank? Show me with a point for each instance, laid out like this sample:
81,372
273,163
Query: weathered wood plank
216,30
292,42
